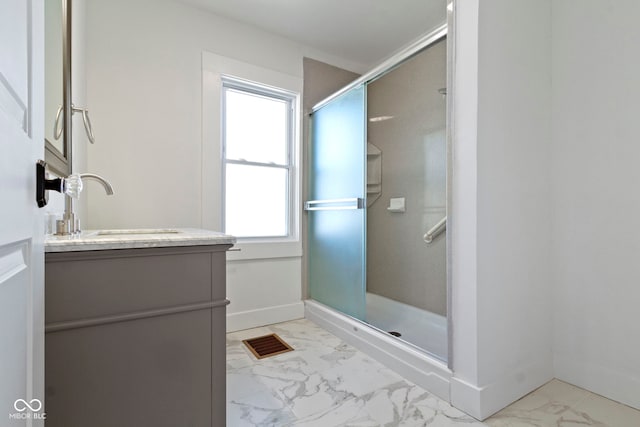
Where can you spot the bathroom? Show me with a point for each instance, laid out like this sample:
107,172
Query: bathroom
540,247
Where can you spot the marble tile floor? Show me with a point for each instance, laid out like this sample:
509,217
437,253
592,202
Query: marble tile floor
327,383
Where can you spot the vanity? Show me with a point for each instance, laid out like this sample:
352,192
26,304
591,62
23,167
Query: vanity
135,328
135,320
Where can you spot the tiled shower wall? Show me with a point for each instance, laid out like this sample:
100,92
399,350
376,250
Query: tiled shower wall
400,265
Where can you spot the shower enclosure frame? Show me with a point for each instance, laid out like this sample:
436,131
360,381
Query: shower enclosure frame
442,31
391,63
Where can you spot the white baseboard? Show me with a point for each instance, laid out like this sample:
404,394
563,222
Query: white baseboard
264,316
607,381
418,367
466,397
482,402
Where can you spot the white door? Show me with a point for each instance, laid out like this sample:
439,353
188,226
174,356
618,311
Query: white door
21,222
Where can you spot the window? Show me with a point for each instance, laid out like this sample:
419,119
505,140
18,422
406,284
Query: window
220,76
257,154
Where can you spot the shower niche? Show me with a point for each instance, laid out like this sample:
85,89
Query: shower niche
376,144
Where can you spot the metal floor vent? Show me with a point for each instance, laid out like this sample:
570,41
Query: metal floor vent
267,346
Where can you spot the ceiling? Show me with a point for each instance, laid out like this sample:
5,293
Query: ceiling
363,31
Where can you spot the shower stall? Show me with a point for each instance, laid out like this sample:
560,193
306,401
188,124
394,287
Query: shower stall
376,208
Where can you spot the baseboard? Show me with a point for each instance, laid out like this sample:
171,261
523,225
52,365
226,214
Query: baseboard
466,397
264,316
482,402
612,383
418,367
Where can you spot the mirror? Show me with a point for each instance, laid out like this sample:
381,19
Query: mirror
56,154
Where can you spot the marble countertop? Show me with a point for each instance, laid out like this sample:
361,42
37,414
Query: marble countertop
96,240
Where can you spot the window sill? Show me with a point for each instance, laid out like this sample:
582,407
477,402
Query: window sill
265,250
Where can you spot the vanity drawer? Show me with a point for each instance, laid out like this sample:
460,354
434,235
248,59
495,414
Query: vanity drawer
93,284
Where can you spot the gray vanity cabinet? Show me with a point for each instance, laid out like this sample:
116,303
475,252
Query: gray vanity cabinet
135,337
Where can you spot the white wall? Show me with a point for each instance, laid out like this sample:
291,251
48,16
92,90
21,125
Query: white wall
462,223
501,209
144,88
545,205
596,102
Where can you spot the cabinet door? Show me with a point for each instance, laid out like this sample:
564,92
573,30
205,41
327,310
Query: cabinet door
147,372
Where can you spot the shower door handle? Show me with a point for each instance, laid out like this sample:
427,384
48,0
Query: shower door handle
334,204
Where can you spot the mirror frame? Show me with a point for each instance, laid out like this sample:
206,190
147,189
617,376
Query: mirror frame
60,163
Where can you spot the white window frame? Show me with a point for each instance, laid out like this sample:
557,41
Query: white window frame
215,69
269,92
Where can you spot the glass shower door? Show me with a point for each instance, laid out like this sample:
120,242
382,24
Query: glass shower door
336,214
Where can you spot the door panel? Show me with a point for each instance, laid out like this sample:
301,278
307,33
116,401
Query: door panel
336,212
21,224
14,59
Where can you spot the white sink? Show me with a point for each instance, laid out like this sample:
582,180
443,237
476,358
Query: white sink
136,231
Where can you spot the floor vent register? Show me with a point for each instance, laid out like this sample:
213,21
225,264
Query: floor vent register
267,346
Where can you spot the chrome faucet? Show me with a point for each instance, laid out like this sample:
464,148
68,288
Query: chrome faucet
71,187
93,177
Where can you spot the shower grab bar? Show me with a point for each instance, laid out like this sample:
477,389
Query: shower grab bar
436,230
334,204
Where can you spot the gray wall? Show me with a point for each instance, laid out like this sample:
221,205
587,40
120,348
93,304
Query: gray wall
400,265
322,80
